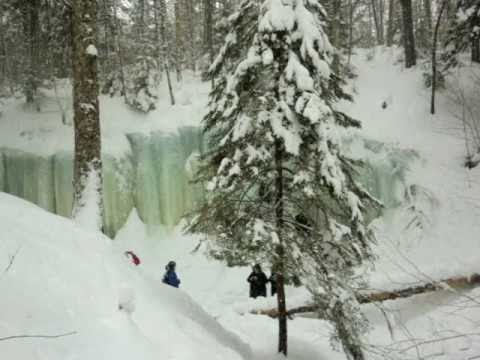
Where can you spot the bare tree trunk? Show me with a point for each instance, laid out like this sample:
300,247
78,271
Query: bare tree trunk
117,35
391,22
191,33
208,31
140,21
351,10
160,11
434,57
3,55
451,10
476,49
281,303
408,35
427,6
87,175
178,40
381,18
378,22
31,32
335,32
282,318
371,39
107,65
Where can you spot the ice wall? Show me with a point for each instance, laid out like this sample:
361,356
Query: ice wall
118,187
385,171
30,177
154,177
163,193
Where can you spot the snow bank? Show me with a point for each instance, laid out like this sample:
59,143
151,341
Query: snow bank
433,233
416,324
56,278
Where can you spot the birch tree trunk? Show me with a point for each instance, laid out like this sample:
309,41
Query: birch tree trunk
87,174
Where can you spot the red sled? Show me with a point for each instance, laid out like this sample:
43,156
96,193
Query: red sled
134,258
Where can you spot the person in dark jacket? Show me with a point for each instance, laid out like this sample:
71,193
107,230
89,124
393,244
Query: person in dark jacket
170,277
258,282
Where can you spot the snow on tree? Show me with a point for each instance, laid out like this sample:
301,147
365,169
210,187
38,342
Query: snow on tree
280,191
142,79
465,31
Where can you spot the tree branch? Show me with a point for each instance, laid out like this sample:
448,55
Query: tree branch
12,259
36,336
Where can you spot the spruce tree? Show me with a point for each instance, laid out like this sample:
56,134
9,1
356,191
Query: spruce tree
465,31
280,191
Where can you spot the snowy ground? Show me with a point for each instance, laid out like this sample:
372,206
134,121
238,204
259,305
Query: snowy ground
60,280
432,236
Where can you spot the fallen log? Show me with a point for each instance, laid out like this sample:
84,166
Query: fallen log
462,282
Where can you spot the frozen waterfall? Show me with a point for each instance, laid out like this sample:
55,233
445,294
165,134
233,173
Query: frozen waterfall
154,177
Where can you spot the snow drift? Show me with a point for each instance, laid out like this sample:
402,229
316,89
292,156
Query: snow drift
58,279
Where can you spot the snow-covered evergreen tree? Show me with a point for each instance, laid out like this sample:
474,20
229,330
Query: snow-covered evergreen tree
280,190
465,31
142,81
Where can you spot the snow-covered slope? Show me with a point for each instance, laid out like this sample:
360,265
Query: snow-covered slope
444,324
57,279
432,234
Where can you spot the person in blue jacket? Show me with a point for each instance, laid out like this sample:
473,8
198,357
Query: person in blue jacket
170,277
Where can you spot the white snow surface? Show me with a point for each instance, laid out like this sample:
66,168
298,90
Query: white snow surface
57,278
397,326
442,240
91,50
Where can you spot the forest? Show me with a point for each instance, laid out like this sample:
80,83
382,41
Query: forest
158,158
